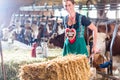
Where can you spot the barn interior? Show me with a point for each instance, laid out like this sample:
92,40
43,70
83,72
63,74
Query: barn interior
33,31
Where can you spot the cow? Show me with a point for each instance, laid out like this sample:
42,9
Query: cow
58,37
115,48
5,32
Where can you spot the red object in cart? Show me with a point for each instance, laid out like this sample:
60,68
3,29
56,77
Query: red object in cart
33,52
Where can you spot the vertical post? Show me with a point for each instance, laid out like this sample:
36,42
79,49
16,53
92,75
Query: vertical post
2,63
111,45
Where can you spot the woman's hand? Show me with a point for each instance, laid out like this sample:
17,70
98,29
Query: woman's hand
94,49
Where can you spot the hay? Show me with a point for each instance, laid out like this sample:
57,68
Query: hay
71,67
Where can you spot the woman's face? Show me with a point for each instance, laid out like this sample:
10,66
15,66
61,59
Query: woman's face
69,6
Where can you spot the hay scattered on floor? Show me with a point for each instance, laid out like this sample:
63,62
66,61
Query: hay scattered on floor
71,67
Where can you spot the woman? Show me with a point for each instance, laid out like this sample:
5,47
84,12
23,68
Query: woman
74,30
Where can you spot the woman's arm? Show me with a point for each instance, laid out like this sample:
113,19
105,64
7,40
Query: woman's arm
94,29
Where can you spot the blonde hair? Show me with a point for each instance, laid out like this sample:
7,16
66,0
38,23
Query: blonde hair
72,1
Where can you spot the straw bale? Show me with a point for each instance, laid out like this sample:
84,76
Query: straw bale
53,71
33,71
71,67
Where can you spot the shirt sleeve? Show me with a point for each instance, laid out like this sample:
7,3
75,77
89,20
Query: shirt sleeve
85,21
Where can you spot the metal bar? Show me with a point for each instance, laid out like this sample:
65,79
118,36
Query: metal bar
94,7
55,25
111,45
45,26
105,21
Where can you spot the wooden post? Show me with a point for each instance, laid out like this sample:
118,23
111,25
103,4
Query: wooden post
2,62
